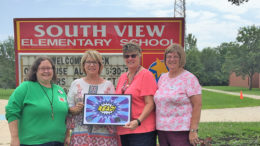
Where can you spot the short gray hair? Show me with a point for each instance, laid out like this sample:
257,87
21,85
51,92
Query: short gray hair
131,47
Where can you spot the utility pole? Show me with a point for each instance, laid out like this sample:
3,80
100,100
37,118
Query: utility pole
179,8
180,11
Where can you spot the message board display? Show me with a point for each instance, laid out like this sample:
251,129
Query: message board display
68,66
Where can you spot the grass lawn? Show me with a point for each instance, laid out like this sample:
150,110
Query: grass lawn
210,100
5,93
214,100
254,91
231,133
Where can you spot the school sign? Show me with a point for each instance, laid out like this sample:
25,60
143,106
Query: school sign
66,39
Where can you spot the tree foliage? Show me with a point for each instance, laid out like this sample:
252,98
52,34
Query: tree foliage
244,57
237,2
206,64
210,61
191,42
193,63
7,65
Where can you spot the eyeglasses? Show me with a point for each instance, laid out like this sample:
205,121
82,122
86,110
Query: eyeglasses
46,68
91,62
132,56
172,57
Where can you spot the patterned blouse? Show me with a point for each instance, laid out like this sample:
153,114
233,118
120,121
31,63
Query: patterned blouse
172,99
88,135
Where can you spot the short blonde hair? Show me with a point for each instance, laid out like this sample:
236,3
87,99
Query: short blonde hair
95,55
179,50
131,47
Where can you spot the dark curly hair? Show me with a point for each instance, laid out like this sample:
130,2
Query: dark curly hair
31,76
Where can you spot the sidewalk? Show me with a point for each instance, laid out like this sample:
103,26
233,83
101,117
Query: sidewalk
245,114
4,134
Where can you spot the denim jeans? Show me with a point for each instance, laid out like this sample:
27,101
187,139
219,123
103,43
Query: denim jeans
139,139
54,143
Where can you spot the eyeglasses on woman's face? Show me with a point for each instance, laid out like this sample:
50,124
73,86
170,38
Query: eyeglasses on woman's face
169,57
132,56
42,69
91,62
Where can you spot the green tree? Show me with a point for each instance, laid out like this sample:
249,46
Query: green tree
244,57
222,51
212,63
193,61
7,66
190,42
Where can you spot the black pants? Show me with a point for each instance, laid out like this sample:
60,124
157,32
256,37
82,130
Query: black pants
139,139
46,144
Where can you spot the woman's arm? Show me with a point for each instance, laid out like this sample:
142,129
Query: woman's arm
196,102
13,128
74,93
149,106
13,111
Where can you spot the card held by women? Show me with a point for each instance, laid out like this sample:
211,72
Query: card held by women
107,109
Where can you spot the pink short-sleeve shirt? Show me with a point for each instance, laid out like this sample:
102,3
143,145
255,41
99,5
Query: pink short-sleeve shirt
143,84
172,99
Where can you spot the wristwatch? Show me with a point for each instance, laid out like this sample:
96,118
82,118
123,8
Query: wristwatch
139,122
194,130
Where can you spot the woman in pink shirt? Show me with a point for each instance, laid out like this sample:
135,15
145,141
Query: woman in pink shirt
140,83
178,102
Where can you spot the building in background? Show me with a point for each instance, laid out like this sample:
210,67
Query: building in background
240,82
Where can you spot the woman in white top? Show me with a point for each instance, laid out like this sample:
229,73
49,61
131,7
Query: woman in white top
92,83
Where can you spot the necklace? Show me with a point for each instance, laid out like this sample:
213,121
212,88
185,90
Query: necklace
127,83
51,102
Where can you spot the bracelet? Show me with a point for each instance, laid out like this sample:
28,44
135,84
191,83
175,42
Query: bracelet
194,130
139,122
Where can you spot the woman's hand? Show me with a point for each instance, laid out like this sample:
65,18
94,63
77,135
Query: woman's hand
67,138
67,141
77,109
131,125
193,137
15,141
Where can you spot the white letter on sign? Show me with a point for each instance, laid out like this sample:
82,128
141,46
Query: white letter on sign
38,29
75,31
155,30
102,30
85,30
59,29
139,30
120,33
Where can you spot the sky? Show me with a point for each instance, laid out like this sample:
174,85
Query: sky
212,22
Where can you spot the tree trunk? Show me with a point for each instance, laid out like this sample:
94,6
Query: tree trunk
250,81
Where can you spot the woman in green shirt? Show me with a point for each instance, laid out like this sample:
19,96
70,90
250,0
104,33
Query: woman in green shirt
37,109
